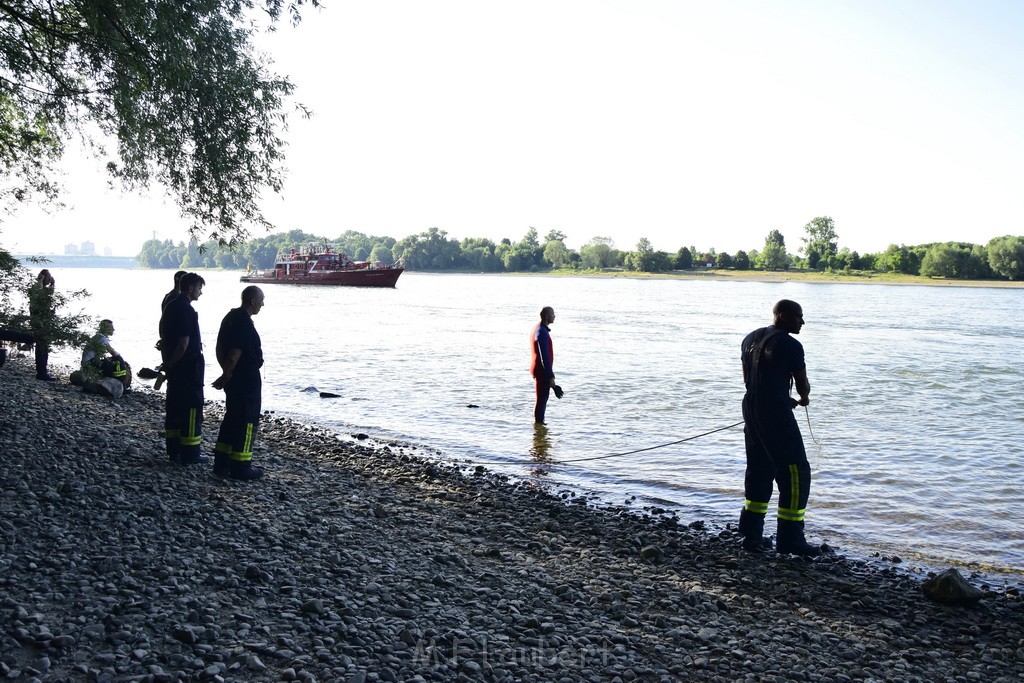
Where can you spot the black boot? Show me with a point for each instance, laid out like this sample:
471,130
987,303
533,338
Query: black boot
173,450
189,455
791,540
751,527
244,471
221,464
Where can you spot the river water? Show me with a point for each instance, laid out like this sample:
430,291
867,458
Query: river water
914,431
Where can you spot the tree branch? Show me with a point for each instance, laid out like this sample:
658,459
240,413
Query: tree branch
43,26
144,56
25,86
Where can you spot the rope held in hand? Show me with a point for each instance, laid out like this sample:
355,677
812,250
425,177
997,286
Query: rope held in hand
810,431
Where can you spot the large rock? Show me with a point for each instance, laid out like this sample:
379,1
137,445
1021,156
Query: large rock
951,588
108,387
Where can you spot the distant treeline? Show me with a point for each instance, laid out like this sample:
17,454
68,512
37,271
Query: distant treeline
79,261
433,250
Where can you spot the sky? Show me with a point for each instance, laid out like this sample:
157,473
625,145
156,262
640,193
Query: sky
691,123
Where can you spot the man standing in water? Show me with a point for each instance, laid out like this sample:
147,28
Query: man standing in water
543,353
773,361
240,354
183,362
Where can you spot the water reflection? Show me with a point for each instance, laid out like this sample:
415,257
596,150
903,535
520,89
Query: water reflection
540,451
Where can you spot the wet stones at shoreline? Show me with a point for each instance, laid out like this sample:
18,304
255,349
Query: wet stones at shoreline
349,562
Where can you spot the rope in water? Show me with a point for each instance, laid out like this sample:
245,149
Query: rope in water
807,414
615,455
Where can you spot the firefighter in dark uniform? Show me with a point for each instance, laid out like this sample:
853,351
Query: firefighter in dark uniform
240,355
182,350
172,441
173,294
773,361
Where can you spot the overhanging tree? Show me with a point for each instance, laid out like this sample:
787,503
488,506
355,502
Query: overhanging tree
176,84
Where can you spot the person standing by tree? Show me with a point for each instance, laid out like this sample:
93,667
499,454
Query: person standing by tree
240,355
543,354
182,350
773,361
41,311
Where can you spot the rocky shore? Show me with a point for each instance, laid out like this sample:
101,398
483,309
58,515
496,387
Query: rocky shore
350,563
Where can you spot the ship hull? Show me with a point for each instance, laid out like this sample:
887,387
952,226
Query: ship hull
372,277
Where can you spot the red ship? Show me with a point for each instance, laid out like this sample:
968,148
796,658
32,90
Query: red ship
321,265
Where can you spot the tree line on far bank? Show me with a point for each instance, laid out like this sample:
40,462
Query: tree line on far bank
434,250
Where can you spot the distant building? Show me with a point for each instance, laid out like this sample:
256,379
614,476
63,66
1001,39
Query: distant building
88,249
71,250
107,251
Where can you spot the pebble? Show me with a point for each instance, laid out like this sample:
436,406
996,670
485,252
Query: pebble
357,562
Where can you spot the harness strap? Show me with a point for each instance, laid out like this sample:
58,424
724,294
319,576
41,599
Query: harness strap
757,351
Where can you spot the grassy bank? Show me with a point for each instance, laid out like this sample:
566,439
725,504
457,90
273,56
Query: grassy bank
857,278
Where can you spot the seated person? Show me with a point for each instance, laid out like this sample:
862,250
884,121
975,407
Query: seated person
100,359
